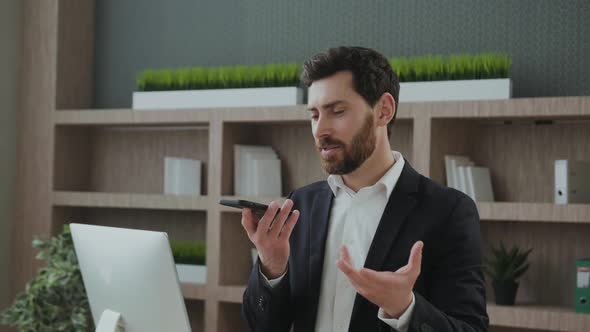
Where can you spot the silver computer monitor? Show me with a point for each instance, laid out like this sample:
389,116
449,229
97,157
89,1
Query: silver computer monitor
131,273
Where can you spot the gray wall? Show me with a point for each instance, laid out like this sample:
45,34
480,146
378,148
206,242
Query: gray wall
548,39
9,49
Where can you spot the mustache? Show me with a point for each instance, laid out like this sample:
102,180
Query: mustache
328,141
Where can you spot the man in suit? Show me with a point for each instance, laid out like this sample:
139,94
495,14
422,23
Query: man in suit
376,247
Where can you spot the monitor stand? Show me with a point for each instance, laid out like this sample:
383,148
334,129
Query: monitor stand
110,321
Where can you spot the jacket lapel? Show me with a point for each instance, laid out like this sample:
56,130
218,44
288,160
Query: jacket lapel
318,232
401,203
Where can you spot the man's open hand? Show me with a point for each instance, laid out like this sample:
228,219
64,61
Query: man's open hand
391,291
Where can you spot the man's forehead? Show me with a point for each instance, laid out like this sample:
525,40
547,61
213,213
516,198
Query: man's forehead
330,90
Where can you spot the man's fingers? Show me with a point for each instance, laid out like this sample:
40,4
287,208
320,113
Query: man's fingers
415,260
280,218
248,222
266,220
375,277
345,265
289,225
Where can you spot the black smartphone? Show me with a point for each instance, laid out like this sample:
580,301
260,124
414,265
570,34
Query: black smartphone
244,204
258,208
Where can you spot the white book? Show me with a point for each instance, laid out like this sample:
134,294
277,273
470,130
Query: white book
241,175
265,178
479,184
451,164
461,181
572,182
250,179
182,176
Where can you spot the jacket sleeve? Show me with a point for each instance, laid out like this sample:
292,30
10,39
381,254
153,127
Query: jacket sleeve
266,308
455,287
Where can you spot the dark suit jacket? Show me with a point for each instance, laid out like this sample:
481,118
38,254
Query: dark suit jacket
450,291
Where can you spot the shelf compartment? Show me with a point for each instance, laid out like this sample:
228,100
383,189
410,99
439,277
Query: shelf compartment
130,201
550,279
124,159
235,262
520,153
534,212
229,318
196,314
544,318
294,144
179,225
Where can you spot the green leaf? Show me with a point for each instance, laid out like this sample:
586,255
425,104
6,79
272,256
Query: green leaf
506,264
55,299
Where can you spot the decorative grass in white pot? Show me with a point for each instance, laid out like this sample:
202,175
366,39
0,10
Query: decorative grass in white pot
215,87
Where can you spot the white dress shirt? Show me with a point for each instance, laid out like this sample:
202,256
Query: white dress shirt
353,222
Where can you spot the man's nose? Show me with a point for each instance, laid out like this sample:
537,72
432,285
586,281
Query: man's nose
323,127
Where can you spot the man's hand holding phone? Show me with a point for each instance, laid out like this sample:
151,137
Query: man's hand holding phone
270,234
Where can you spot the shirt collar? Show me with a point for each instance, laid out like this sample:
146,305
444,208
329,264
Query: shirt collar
388,180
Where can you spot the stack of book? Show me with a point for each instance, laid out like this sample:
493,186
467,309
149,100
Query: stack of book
463,175
257,171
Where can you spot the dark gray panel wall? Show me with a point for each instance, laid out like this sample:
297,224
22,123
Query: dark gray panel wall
548,39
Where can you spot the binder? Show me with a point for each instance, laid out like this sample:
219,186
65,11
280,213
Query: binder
572,181
479,184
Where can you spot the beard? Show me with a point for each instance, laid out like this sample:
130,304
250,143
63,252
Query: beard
349,157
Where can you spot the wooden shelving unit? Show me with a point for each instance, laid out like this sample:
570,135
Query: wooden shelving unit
544,318
105,167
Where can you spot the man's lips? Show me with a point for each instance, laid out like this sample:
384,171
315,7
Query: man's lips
328,150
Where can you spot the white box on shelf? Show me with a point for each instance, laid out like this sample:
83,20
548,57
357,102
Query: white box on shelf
451,164
479,184
266,178
215,98
486,89
250,178
572,182
195,274
182,176
462,180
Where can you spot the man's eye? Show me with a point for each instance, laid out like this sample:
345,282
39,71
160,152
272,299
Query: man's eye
338,111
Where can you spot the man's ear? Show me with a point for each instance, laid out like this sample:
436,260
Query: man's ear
386,109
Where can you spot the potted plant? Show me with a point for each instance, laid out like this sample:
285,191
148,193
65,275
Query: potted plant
190,257
505,267
55,299
456,77
228,86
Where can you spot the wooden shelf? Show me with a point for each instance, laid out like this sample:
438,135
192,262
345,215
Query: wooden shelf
537,108
193,291
538,317
130,201
131,117
230,294
98,117
534,212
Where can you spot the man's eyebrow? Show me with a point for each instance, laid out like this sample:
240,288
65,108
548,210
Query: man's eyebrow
328,105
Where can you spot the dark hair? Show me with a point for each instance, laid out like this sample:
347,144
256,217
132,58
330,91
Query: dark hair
372,74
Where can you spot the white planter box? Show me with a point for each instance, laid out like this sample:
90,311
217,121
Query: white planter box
196,274
282,96
456,90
